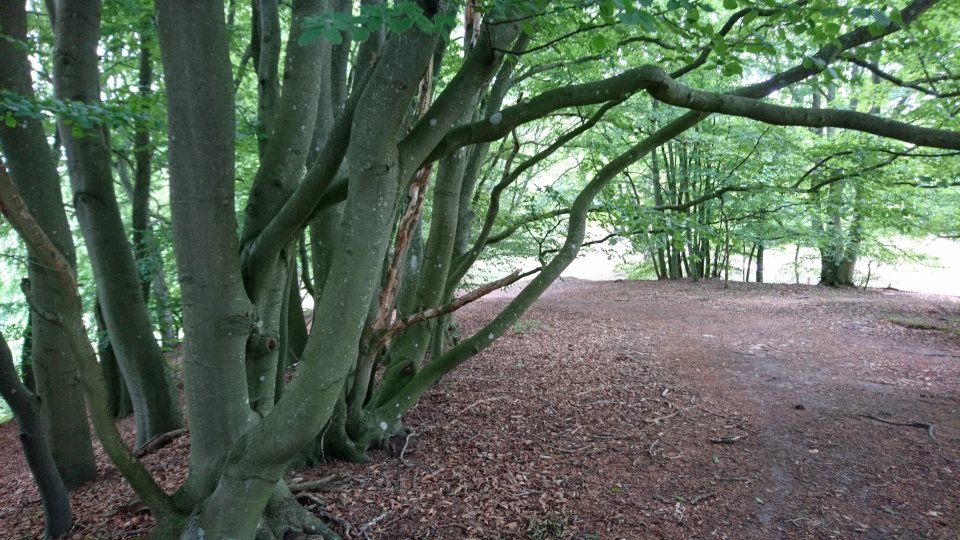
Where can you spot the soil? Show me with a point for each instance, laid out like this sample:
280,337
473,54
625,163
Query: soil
643,410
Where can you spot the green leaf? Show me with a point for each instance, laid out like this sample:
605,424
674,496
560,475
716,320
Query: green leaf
750,16
399,25
527,27
755,48
332,35
881,18
10,121
875,29
597,42
646,22
309,35
730,4
359,33
833,12
896,17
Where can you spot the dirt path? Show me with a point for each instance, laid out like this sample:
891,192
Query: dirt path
663,410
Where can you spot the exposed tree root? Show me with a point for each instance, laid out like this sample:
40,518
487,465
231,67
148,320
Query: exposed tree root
928,427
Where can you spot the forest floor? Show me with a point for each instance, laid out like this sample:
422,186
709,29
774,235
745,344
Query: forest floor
643,410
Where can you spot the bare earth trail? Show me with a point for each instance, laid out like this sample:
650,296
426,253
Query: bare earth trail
653,410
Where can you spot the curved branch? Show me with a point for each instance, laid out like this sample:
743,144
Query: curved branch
665,89
875,69
625,84
468,258
91,376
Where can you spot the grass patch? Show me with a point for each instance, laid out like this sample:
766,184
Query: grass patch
917,323
530,325
545,527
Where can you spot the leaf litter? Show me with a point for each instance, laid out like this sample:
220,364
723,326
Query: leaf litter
637,410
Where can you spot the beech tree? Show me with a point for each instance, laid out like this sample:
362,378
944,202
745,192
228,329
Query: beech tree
375,105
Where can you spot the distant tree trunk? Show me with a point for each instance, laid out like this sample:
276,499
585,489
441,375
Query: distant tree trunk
26,409
34,171
796,264
169,334
118,397
659,261
143,155
759,263
749,263
77,78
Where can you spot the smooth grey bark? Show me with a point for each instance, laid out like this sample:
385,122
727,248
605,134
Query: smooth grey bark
759,263
281,168
89,374
34,171
251,471
143,156
26,355
26,410
265,43
118,397
217,315
76,78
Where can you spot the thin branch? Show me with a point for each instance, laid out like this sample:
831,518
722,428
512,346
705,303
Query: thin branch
456,304
553,41
875,69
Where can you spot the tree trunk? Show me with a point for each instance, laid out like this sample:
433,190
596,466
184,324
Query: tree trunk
759,263
26,355
216,311
34,171
26,409
143,155
118,396
77,78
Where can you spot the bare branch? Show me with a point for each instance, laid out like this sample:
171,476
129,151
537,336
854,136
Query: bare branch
875,69
456,304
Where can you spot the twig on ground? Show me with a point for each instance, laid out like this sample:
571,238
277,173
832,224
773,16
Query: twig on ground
314,485
552,408
650,450
412,433
734,478
158,441
481,402
573,450
371,523
709,411
662,418
728,440
702,497
344,524
589,391
794,521
526,492
321,501
928,427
